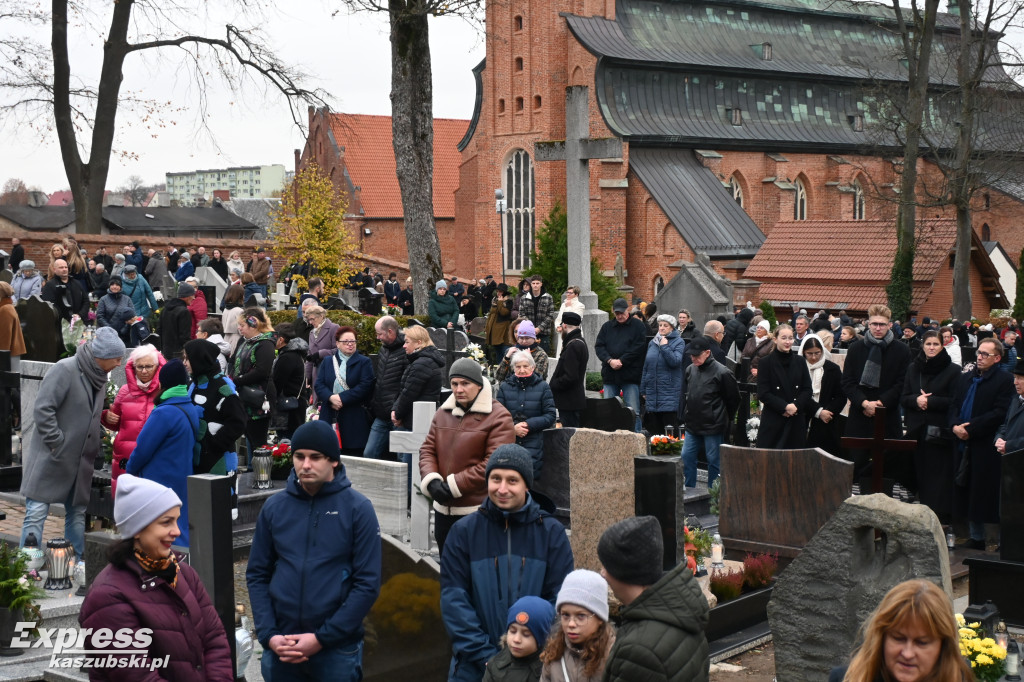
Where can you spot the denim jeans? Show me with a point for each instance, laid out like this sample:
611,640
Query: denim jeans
74,522
337,665
691,446
630,396
378,443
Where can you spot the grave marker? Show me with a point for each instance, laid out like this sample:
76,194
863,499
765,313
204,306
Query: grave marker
878,445
383,483
410,441
41,324
280,297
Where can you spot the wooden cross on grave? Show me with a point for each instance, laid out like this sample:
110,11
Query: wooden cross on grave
878,445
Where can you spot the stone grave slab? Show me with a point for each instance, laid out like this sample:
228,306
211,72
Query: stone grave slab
477,326
607,415
871,544
383,483
1011,507
440,339
655,488
776,500
410,441
554,476
41,326
601,479
405,636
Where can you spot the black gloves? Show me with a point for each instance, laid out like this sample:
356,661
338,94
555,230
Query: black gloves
440,492
314,358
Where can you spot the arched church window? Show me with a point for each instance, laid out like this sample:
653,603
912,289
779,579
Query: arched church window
986,233
518,219
800,205
659,284
736,189
858,201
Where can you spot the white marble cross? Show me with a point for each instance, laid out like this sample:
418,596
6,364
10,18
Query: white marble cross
410,441
280,297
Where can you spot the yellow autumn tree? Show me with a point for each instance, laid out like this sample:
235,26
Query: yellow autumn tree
309,227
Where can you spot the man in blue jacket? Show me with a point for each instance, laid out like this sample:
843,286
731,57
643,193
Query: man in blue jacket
315,567
509,548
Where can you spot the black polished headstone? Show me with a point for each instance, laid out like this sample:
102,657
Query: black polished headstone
998,581
1011,507
655,487
210,293
370,301
607,415
405,635
554,477
40,325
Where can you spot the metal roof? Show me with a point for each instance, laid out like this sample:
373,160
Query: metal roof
134,218
39,217
696,202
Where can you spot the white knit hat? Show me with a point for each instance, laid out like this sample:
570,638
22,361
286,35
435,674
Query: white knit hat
583,588
139,502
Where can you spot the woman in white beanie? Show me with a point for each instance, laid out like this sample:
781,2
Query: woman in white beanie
758,346
144,586
578,647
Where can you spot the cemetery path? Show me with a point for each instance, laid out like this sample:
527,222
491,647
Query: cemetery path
756,665
10,528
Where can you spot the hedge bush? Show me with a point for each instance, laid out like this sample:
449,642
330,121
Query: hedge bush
366,334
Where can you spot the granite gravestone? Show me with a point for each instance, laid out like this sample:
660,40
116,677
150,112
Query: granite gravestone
871,544
655,486
607,415
553,481
383,483
1011,507
776,500
40,325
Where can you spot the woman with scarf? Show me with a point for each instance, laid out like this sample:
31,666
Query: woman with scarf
344,385
146,585
525,336
321,340
758,346
662,379
784,387
827,397
873,375
927,392
132,406
169,441
235,262
250,370
529,400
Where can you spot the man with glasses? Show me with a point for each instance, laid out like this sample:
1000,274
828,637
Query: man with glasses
872,378
977,410
512,532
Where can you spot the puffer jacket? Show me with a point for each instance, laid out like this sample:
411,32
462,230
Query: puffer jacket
663,373
661,634
185,625
184,271
507,668
420,381
391,364
175,326
442,310
736,330
457,447
114,311
529,399
134,405
315,563
490,560
711,398
141,293
198,310
26,286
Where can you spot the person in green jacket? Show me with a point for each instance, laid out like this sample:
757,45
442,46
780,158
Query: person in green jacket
443,309
661,634
529,622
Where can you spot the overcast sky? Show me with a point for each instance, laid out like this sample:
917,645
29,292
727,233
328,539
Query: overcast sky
347,55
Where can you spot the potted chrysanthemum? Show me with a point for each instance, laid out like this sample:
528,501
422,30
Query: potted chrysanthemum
18,595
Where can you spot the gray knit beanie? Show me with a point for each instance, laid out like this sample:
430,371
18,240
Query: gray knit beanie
107,345
139,502
585,589
467,369
632,551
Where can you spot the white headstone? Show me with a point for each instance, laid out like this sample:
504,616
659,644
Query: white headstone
410,441
280,297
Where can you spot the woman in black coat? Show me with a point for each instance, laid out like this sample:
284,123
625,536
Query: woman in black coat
250,368
290,377
422,378
528,398
827,397
927,391
784,388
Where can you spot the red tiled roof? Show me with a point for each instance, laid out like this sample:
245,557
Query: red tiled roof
833,296
853,251
60,198
370,161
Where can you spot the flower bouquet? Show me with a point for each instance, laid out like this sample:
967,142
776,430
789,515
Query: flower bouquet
697,545
18,593
73,334
988,659
666,445
280,460
752,425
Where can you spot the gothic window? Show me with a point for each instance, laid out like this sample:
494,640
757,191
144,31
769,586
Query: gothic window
986,233
518,23
858,201
736,189
518,219
536,101
800,203
659,284
519,63
501,106
519,103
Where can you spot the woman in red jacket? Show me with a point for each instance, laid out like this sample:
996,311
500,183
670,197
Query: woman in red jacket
132,405
145,592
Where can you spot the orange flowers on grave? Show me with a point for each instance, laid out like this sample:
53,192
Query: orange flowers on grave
666,445
696,544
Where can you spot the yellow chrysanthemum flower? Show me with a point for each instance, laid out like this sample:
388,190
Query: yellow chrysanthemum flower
974,626
960,619
984,659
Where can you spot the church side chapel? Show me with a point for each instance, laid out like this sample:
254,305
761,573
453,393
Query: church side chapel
748,133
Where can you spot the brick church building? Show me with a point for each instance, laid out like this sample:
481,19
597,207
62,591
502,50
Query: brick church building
736,118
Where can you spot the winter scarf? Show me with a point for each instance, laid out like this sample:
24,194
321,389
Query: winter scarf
872,374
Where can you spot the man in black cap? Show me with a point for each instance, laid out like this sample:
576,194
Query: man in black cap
466,429
712,397
660,637
569,378
315,566
176,322
511,529
621,346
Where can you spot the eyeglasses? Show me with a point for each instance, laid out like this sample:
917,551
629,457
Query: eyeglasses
145,368
982,354
347,343
578,618
878,324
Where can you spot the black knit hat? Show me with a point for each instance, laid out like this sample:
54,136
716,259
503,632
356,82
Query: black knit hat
512,456
172,374
317,436
632,551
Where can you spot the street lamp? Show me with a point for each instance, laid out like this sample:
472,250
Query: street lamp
499,208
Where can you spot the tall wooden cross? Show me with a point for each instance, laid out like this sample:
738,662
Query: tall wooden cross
878,445
577,149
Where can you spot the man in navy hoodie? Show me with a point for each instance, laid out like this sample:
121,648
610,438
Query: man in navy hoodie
315,567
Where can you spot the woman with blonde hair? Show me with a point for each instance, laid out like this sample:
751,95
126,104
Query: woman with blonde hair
911,636
57,251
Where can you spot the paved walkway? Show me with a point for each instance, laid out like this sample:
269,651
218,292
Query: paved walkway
10,528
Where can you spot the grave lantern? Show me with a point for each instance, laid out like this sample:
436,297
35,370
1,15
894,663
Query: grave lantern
1012,661
987,614
261,465
35,558
58,559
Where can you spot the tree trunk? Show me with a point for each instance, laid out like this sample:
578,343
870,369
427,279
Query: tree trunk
412,125
88,180
961,183
962,265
